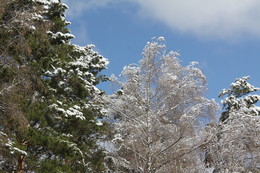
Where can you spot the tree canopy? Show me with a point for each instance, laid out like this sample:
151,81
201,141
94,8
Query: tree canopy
235,147
159,112
50,108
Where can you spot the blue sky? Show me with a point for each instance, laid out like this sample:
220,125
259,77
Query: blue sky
222,35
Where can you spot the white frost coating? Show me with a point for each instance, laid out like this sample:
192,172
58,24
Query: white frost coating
67,22
130,70
47,1
64,5
99,123
87,106
236,86
57,71
72,111
159,113
113,78
174,54
13,149
96,90
160,39
76,107
32,28
88,74
67,135
193,63
75,112
238,97
36,16
117,137
53,106
59,102
60,35
85,61
61,110
19,151
81,62
3,134
67,89
78,48
61,83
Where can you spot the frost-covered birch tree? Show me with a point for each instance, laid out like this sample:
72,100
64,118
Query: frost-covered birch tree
158,114
236,147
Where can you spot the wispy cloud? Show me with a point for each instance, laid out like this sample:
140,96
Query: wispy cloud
224,19
78,7
82,33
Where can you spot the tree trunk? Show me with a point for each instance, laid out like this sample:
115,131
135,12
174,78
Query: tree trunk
20,167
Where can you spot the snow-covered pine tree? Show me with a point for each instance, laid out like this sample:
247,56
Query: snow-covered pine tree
238,98
236,147
50,108
158,114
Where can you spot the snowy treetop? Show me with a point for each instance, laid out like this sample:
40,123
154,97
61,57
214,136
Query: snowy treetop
239,88
239,99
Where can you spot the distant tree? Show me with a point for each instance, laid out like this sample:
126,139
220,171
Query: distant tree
158,114
236,147
50,109
237,99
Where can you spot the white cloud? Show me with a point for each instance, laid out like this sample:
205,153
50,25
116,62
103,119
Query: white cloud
204,18
218,18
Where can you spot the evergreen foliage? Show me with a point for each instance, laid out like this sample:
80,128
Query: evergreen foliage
50,107
238,98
